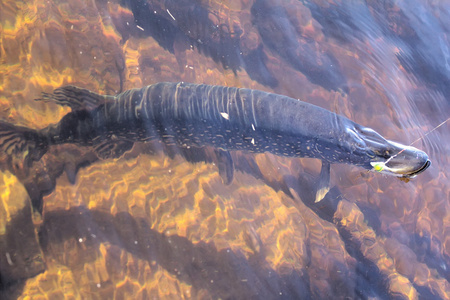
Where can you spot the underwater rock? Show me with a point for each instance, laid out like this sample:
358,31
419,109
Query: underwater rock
21,255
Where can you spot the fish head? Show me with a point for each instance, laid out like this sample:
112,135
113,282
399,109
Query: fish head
403,161
389,157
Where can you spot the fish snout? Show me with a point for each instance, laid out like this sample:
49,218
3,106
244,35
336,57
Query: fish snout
402,161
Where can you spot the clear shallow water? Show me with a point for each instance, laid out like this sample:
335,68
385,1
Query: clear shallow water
152,225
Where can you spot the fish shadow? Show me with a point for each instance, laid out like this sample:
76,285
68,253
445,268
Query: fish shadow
223,273
215,40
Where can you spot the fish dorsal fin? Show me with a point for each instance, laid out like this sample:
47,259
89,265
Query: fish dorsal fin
112,148
74,97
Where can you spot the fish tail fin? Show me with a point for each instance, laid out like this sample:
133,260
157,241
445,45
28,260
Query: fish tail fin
74,97
20,146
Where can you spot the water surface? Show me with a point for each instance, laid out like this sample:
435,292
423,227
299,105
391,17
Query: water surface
153,224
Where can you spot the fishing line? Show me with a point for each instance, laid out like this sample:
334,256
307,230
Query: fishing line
379,166
430,131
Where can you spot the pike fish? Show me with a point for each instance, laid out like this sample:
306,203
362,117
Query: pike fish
226,118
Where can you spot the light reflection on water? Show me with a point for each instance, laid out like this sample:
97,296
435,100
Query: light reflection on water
151,224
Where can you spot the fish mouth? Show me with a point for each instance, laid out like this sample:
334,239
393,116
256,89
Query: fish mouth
407,162
420,170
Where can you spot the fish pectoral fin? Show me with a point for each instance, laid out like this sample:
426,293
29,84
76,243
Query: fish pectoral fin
225,164
74,97
323,185
112,149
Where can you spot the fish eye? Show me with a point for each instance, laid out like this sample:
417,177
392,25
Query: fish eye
359,144
371,134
